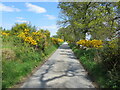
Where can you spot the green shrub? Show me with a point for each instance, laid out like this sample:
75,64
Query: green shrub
20,56
110,60
95,69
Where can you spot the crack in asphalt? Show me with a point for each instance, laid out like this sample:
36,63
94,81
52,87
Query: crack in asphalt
62,70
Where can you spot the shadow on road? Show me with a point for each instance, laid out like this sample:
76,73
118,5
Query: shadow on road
70,72
65,66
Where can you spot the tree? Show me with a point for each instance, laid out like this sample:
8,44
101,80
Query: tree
88,17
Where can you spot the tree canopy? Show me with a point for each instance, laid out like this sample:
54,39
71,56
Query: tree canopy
99,19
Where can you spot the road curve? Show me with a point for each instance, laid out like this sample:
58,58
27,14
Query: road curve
62,70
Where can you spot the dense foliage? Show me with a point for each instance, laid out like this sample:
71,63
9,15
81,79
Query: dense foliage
100,22
99,19
23,49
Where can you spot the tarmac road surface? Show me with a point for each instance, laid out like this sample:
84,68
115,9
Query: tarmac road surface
62,70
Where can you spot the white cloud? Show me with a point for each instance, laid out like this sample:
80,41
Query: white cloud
35,8
22,21
52,28
8,8
50,17
21,18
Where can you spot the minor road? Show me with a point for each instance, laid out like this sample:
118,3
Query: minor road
62,70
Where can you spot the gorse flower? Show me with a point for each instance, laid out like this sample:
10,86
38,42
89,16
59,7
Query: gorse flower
39,38
5,34
34,38
60,40
22,35
57,40
26,30
30,40
90,43
36,33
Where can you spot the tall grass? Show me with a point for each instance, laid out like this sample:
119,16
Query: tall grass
15,70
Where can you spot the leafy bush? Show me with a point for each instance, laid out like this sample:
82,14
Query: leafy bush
110,60
57,40
23,49
106,71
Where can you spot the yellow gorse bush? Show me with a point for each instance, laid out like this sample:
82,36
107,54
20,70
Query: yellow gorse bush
36,33
96,43
22,35
26,38
26,30
30,37
4,34
60,40
54,40
34,38
57,40
90,43
39,38
30,40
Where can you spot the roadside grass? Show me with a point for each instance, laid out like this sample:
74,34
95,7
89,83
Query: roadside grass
13,71
96,70
25,61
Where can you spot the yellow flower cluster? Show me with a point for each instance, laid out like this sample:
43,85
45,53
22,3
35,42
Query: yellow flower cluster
97,43
27,37
54,40
30,40
36,33
26,30
90,43
57,40
60,40
22,35
33,38
5,34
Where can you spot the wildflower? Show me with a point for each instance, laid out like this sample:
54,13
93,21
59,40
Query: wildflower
5,34
26,30
90,43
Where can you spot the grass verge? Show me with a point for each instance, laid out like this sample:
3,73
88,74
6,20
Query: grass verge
15,70
95,70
